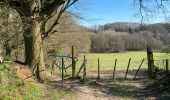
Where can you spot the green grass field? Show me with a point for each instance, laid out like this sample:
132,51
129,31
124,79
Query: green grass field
107,60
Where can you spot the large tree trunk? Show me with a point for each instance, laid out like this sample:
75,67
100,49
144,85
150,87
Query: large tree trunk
37,51
34,49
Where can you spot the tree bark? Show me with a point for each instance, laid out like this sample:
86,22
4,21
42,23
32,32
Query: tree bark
34,56
37,61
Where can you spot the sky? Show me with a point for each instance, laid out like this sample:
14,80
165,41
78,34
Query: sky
96,12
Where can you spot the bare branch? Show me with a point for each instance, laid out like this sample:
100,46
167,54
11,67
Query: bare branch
66,5
146,11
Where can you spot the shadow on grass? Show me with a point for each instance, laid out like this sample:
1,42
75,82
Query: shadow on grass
118,88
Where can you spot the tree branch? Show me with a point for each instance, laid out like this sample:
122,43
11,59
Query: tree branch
66,5
144,10
50,6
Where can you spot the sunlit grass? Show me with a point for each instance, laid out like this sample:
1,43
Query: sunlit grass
107,60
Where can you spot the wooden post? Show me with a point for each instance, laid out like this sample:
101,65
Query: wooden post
73,62
98,70
85,63
62,69
114,68
127,68
163,64
151,67
84,71
167,65
139,68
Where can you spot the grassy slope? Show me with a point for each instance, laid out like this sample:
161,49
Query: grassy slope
107,60
13,88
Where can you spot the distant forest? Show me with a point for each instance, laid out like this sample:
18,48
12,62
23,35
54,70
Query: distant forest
121,36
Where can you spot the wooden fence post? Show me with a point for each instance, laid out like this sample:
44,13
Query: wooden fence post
167,65
164,62
127,68
84,71
151,67
139,68
98,70
114,68
62,69
85,63
73,62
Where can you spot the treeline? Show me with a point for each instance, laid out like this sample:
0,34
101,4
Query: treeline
130,37
135,27
116,43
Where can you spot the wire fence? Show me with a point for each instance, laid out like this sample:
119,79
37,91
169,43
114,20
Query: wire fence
135,68
108,64
107,68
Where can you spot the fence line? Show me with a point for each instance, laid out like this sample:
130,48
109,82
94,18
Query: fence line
113,64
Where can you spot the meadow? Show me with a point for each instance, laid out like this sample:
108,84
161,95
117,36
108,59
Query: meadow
107,60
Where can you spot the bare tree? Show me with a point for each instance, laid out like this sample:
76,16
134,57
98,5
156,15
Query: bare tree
34,15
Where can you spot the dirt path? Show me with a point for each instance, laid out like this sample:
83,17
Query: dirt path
107,89
86,91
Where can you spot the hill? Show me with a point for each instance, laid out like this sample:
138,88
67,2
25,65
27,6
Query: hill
126,36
